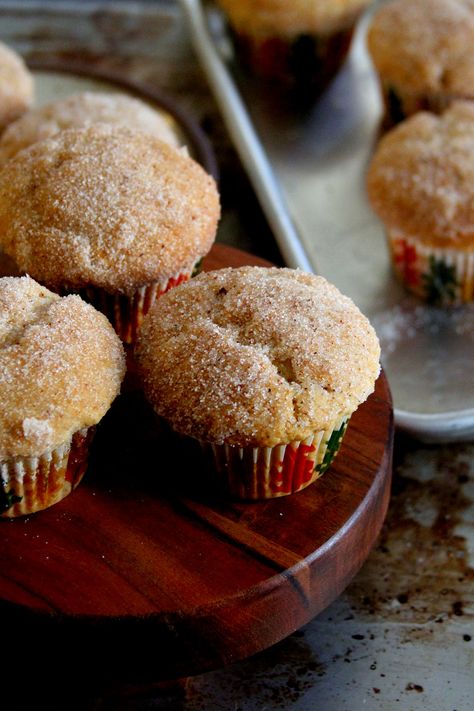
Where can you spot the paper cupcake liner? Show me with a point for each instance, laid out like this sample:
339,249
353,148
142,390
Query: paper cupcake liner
29,484
127,311
269,472
305,61
438,276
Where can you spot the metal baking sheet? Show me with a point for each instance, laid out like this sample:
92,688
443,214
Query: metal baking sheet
320,159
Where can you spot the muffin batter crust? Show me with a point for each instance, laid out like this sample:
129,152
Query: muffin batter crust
421,179
256,356
425,46
81,110
16,86
61,366
105,206
266,18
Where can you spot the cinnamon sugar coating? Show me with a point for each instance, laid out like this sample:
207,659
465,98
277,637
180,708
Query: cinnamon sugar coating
421,178
80,110
425,46
105,206
61,366
256,356
267,18
16,86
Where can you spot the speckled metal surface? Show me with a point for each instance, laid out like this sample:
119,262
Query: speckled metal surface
402,634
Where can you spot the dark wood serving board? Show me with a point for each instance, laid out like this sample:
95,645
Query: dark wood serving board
129,578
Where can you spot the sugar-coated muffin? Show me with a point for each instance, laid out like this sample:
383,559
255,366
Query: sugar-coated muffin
421,185
114,214
264,366
81,110
423,52
61,366
299,44
16,86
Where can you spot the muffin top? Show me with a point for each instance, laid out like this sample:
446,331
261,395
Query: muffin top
16,86
105,206
61,366
80,110
267,18
421,178
256,356
425,45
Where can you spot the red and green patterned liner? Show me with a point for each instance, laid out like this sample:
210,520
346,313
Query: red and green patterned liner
127,311
29,484
304,62
269,472
442,277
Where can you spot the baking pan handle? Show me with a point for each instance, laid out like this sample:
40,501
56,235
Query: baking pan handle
245,139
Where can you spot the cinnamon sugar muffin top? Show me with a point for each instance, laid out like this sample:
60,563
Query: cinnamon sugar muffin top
256,356
421,178
16,86
80,110
61,365
280,17
105,206
425,45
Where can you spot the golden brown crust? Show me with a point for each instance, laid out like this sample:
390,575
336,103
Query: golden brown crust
421,178
80,110
61,366
16,86
425,46
269,18
105,206
255,356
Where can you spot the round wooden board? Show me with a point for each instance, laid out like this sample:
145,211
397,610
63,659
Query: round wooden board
129,579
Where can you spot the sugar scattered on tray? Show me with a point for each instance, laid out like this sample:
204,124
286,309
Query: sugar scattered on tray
406,321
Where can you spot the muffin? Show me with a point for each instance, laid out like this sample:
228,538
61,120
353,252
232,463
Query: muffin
113,214
16,86
421,185
80,110
61,365
423,53
263,367
300,44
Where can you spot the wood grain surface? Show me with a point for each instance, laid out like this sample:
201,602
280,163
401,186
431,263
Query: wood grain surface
143,574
